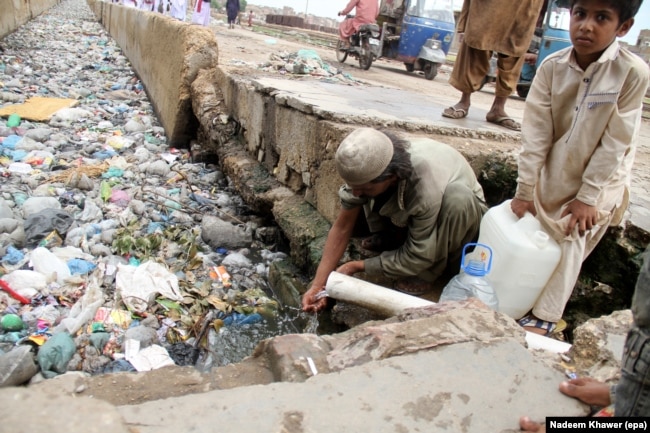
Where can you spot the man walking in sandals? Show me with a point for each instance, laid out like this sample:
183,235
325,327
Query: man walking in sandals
488,26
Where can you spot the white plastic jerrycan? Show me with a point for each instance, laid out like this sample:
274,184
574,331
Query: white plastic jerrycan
471,282
524,257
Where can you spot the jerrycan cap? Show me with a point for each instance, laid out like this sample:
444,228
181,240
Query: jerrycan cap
477,266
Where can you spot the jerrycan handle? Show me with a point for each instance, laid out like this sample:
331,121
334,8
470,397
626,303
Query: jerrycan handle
476,244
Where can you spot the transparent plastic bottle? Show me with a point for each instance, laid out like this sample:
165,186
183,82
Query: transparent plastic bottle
470,282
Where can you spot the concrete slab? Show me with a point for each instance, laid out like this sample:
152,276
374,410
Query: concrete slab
349,104
467,387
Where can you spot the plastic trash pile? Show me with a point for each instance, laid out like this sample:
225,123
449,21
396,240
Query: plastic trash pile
303,62
117,252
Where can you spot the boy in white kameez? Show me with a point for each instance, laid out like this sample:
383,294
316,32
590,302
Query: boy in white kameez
579,134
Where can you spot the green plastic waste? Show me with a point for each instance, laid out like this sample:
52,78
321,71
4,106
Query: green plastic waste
13,120
12,322
54,355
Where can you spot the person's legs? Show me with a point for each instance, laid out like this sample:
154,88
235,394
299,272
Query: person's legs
508,71
550,304
346,29
458,224
470,68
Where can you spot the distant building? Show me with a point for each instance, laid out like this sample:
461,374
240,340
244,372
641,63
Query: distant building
644,39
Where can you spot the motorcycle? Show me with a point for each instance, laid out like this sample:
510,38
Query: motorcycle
363,45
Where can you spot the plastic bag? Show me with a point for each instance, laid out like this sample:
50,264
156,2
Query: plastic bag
54,355
47,263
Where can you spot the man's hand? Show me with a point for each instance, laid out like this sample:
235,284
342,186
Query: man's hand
351,268
520,207
582,215
309,301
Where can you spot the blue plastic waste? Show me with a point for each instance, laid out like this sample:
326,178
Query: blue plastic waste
238,319
13,256
80,266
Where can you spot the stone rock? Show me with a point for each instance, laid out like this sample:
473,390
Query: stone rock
14,229
36,204
17,366
158,168
39,134
421,329
80,414
288,355
145,335
5,209
598,343
219,233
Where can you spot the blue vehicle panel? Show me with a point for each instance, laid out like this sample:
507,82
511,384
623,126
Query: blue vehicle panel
416,31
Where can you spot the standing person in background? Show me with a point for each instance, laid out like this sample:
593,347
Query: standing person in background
579,136
147,5
178,9
201,14
232,10
250,18
366,13
484,27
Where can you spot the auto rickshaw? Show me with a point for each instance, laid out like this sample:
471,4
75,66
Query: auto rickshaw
417,33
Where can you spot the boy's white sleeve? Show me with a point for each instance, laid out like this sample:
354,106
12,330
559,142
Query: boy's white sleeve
536,133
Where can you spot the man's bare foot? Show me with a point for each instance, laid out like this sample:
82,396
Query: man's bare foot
528,425
587,390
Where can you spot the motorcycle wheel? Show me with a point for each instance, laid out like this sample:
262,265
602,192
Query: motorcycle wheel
341,53
430,70
410,67
365,56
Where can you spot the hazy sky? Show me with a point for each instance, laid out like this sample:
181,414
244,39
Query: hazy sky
329,9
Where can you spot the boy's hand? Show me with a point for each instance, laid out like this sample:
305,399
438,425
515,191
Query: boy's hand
582,215
520,207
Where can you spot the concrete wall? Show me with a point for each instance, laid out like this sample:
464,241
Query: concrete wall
15,13
167,55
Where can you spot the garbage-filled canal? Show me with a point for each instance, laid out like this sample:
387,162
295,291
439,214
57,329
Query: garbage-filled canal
118,253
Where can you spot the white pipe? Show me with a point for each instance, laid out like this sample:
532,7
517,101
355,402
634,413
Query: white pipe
376,298
391,302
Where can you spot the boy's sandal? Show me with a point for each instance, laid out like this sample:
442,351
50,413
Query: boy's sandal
550,327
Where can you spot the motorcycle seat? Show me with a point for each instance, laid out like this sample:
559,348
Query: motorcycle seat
369,27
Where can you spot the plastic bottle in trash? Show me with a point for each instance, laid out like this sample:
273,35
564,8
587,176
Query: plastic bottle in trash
470,282
13,120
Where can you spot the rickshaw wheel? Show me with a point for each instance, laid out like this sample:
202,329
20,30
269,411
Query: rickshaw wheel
410,67
341,53
522,91
365,56
430,70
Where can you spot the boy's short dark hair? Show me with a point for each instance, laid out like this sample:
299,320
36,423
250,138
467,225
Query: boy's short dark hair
626,8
